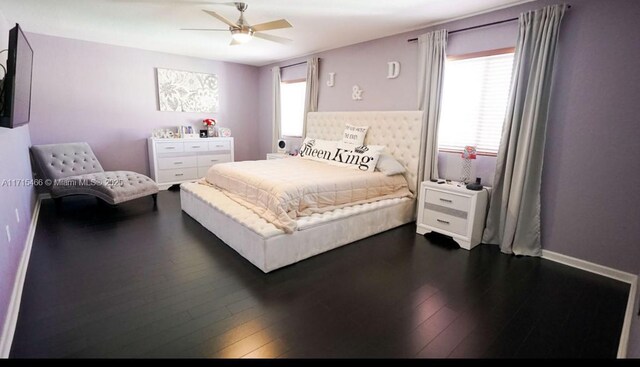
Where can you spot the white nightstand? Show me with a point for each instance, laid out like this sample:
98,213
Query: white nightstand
277,155
453,211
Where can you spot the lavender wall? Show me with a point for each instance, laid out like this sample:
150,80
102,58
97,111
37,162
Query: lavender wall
591,178
106,95
14,164
592,137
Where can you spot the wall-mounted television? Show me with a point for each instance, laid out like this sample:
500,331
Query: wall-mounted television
15,98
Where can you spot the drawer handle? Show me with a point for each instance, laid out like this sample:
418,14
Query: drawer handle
195,146
169,148
219,146
179,174
442,221
177,162
214,160
446,200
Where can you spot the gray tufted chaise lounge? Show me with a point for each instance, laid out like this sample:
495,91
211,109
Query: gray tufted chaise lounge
73,169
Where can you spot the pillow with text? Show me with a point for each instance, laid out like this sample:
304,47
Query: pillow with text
354,134
360,157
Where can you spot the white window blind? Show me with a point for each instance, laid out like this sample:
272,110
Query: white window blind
474,102
292,108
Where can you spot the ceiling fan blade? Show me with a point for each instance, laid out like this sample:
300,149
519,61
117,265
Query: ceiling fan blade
221,18
176,2
202,29
234,42
276,24
269,37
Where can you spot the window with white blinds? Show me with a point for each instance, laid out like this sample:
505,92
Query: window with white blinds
474,102
292,107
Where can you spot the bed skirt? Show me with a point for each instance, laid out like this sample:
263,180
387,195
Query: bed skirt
269,248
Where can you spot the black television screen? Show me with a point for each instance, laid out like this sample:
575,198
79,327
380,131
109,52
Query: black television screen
16,91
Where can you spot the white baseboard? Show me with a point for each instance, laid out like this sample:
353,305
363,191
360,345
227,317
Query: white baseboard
6,338
608,272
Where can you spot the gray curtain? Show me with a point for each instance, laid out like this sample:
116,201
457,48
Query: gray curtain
513,220
431,58
275,121
311,94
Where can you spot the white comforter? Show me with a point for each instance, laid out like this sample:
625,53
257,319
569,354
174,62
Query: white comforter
281,190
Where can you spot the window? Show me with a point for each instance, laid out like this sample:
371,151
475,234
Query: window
474,101
292,107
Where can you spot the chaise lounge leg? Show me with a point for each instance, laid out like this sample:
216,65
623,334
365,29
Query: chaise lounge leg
155,200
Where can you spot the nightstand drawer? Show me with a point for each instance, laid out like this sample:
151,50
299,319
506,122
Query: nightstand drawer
445,222
174,175
170,147
448,200
177,162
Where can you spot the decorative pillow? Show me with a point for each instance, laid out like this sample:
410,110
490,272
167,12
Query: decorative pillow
318,149
354,134
359,157
389,165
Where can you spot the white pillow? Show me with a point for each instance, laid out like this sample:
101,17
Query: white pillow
389,165
359,157
354,134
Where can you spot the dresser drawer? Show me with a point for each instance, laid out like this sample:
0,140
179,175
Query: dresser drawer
220,145
448,200
211,159
196,146
445,222
177,162
180,174
170,147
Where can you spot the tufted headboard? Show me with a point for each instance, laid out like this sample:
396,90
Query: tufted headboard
399,131
57,161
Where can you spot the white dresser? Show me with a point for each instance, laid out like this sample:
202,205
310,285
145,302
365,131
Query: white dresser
453,211
173,161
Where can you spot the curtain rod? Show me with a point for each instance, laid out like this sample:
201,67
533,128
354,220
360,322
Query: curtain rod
296,64
479,26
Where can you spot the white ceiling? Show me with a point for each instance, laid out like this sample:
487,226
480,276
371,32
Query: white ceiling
154,24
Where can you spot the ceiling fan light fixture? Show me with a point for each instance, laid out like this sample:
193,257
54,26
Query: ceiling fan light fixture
242,35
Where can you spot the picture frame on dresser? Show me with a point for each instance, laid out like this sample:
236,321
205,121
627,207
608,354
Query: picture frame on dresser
174,161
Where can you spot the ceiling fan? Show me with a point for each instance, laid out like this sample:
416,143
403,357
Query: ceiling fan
242,32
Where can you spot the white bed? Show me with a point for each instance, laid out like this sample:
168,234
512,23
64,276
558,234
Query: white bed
268,247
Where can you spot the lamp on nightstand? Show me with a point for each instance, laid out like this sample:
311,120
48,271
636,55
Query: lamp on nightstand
468,154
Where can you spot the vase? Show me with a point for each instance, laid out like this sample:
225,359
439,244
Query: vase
211,131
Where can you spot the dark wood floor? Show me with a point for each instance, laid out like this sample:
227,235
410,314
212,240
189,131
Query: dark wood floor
132,282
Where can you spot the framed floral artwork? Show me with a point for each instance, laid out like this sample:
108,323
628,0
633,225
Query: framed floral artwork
184,91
